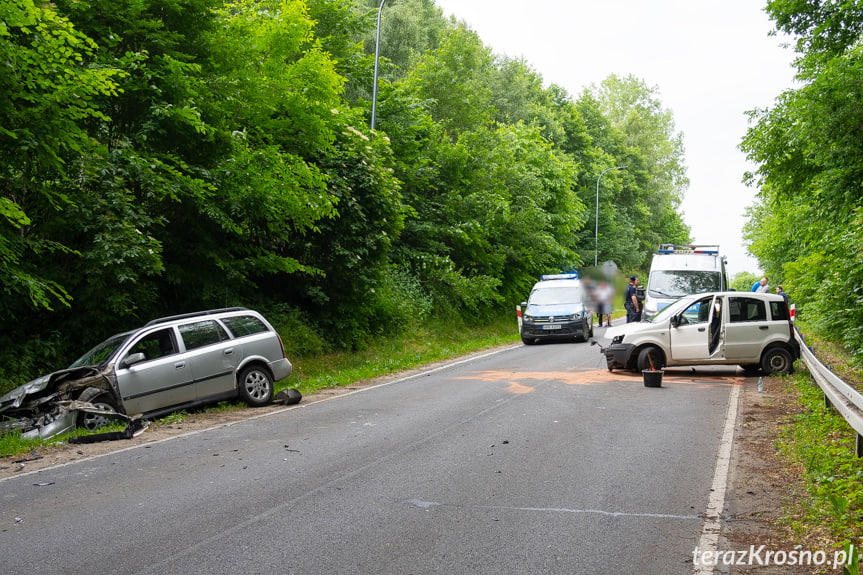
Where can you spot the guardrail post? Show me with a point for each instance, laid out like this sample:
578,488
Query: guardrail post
859,445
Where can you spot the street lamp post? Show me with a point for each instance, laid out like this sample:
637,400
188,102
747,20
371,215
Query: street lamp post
377,48
596,234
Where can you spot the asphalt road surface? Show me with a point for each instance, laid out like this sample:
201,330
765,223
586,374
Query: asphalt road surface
528,459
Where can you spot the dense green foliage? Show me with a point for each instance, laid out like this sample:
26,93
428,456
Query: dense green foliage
820,442
162,156
743,281
806,228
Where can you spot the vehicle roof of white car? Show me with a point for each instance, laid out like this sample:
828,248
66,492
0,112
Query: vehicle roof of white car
686,301
738,293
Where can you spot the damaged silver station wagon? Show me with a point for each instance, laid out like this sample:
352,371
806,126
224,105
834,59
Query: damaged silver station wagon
172,363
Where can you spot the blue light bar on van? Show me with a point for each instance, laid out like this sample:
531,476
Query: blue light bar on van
711,252
572,276
688,249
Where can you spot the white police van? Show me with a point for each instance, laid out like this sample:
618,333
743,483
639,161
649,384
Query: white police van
681,270
559,308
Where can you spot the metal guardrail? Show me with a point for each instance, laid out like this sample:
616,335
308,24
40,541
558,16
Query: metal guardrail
837,394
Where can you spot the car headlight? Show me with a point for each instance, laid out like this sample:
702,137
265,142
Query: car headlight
528,317
617,339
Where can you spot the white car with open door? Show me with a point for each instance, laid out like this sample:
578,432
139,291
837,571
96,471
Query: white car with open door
753,330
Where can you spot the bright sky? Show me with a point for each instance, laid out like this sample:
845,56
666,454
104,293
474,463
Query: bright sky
710,61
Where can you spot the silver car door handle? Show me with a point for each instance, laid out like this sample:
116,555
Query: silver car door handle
180,365
229,351
701,329
763,327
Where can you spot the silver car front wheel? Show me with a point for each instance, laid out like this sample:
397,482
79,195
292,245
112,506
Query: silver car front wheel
93,421
255,386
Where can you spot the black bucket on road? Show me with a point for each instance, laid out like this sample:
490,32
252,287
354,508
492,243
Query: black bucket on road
652,378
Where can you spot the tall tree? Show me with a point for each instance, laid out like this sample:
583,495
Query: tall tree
49,92
648,130
806,226
454,81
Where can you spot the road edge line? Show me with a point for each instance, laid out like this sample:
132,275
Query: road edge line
709,539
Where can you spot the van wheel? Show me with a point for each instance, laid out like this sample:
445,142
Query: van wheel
528,340
255,386
777,360
93,421
650,357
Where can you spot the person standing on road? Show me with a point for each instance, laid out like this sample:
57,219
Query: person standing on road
604,295
630,301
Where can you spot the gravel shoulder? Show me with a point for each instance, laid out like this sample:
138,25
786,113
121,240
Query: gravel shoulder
763,487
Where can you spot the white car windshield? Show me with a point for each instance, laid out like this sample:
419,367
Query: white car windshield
550,296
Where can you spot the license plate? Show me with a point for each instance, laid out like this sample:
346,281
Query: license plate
552,326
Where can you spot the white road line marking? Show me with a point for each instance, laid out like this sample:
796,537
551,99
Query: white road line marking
710,532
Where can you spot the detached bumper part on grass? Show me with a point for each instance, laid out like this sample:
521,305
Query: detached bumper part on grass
288,397
134,428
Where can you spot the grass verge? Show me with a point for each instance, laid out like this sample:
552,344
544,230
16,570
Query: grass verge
822,443
14,444
435,341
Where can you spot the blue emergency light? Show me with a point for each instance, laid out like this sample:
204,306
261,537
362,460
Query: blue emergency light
673,249
571,276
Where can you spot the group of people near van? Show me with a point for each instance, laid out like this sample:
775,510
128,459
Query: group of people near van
761,286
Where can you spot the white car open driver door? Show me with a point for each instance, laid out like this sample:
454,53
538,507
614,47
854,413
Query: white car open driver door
690,339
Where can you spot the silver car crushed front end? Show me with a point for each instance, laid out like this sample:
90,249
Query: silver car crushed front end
49,405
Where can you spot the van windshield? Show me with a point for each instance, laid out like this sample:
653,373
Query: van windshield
550,296
678,283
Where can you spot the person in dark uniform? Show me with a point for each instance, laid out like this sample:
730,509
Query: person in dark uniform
630,301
